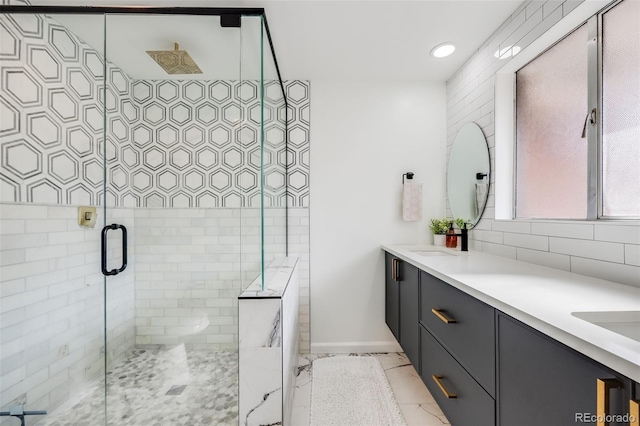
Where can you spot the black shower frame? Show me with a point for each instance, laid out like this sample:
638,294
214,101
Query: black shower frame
162,10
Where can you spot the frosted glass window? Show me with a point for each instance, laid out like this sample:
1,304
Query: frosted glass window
621,110
551,155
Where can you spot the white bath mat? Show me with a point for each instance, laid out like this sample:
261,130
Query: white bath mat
352,390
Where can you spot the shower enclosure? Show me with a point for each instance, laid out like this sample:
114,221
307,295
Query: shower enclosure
127,314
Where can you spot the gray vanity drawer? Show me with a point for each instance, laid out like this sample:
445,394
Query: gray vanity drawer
471,338
472,405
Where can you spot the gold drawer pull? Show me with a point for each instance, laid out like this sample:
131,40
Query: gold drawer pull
602,406
634,413
436,378
394,270
442,316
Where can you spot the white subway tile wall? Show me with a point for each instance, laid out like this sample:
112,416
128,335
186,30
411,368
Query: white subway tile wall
52,304
180,286
605,250
299,246
632,254
188,275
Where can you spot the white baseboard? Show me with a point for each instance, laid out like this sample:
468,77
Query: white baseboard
354,347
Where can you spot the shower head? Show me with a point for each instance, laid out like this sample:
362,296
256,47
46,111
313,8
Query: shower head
175,61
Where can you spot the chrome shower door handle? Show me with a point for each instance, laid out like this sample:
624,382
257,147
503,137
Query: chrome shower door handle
105,230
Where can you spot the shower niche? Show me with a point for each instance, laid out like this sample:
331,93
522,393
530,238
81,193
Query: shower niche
172,122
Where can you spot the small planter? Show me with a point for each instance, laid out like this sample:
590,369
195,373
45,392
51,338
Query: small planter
438,239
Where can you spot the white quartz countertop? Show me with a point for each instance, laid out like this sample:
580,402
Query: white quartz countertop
541,297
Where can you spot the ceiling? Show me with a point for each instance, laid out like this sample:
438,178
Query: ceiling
313,39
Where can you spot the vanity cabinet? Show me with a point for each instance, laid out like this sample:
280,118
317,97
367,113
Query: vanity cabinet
392,295
483,367
460,397
463,325
458,352
401,305
542,381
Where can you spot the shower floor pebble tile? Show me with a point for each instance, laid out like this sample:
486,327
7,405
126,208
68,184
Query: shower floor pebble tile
202,390
416,403
160,388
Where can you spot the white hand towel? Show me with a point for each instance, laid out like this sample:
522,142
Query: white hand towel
412,202
481,196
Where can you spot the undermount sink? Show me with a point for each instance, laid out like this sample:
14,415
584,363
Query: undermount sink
431,253
626,323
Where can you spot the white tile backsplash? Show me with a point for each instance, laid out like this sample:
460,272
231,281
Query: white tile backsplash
621,233
610,252
569,5
514,226
499,250
494,237
604,249
544,258
632,254
551,6
568,230
626,274
535,242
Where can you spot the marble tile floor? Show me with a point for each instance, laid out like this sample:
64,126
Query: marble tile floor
183,388
173,387
416,403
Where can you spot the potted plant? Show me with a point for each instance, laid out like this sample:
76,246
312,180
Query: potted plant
460,222
439,227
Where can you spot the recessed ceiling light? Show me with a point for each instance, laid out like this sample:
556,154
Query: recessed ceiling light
507,52
442,50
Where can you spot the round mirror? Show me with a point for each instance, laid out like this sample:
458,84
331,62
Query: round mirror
468,174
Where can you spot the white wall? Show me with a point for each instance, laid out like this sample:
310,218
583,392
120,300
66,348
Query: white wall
365,136
602,249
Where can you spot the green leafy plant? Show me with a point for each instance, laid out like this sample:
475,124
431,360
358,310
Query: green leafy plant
460,222
440,226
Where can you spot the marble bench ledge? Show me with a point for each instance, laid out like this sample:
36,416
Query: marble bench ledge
276,279
268,345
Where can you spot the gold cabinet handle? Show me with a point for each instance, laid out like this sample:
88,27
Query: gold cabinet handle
602,406
436,378
394,269
634,413
442,316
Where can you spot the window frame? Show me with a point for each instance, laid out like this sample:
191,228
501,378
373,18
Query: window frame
589,14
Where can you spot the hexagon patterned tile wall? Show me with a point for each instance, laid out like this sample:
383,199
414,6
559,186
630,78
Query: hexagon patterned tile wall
168,143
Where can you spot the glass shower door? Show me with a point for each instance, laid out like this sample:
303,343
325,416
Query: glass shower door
171,161
51,290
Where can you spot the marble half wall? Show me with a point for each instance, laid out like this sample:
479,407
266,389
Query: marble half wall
269,344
